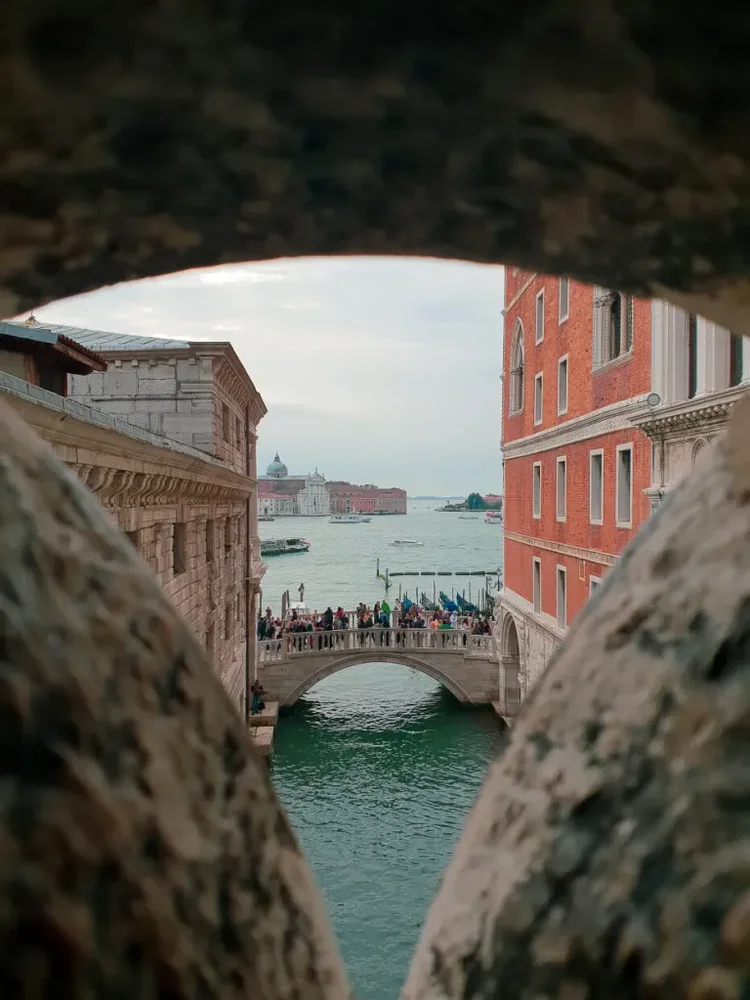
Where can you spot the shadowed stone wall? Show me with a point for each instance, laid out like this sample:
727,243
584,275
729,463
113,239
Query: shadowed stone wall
145,853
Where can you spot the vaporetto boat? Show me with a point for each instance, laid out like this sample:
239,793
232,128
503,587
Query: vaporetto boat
348,519
280,546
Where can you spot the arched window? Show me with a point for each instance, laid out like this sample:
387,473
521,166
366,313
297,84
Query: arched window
516,371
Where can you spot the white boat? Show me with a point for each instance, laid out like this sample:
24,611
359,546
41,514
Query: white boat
493,517
348,519
280,546
405,541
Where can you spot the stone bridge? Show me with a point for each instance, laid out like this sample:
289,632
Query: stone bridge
465,664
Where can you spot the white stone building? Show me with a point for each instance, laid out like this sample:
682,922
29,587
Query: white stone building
308,492
699,370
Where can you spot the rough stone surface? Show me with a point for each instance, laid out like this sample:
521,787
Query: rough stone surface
608,855
605,140
143,852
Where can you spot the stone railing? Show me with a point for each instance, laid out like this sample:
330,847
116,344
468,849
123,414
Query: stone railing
296,644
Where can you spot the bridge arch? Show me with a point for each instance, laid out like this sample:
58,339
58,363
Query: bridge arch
333,666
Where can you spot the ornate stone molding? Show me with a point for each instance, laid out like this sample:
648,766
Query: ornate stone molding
589,555
618,416
711,411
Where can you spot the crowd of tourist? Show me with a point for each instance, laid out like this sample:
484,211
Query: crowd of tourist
303,630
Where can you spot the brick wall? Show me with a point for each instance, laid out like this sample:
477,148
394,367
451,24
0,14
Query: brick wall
596,417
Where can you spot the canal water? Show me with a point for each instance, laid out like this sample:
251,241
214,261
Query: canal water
378,765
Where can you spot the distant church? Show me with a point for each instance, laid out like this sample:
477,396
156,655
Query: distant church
280,494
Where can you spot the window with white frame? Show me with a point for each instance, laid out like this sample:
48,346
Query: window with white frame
624,486
596,487
538,398
563,303
562,386
536,585
536,489
613,325
594,583
515,389
562,597
539,318
561,489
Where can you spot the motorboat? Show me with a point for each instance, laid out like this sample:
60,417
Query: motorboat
493,517
280,546
265,517
463,517
406,541
348,519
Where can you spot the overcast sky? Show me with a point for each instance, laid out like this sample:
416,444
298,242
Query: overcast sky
381,370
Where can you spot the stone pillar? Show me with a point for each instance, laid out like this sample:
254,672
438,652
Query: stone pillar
713,357
745,360
669,351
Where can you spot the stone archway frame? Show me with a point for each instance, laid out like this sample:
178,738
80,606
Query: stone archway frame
360,659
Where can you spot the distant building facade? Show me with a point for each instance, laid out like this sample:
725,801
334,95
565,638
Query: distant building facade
347,498
179,479
306,494
311,495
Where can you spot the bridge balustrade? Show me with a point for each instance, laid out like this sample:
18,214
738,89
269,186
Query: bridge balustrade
294,644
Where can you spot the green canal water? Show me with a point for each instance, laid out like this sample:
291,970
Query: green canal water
377,767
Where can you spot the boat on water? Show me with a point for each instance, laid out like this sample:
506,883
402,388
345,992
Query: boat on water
280,546
405,541
493,517
265,517
348,519
463,517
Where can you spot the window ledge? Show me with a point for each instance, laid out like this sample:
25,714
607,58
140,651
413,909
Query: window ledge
624,524
605,366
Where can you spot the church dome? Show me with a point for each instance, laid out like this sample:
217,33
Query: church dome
277,469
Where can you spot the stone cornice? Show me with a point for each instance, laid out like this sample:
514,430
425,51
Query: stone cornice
605,420
125,469
709,411
589,555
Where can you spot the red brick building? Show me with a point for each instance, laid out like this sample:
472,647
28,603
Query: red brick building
347,498
577,371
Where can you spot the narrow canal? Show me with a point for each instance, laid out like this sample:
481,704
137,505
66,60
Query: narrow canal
377,767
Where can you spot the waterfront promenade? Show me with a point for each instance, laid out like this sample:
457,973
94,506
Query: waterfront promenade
465,664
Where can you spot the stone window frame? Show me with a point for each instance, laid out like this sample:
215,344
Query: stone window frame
226,427
611,346
539,399
621,522
227,621
134,537
536,494
539,317
228,542
562,410
536,584
516,371
561,574
593,453
561,462
563,314
596,581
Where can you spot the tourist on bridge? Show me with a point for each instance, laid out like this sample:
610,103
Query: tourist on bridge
385,609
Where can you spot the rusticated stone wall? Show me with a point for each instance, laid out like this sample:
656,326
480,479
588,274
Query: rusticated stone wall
184,513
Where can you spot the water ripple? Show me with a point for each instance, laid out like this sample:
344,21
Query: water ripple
377,767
